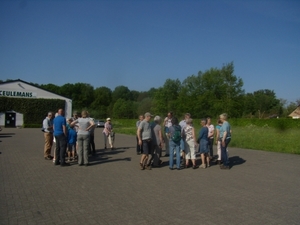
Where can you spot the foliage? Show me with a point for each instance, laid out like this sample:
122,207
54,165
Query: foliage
102,100
123,109
121,92
24,105
166,97
212,92
144,106
209,93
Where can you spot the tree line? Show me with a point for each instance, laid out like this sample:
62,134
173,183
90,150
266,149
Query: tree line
208,93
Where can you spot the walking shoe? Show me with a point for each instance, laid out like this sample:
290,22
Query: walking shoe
195,167
142,166
208,165
222,167
203,166
148,168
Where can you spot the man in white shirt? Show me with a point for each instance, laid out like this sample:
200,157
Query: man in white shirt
48,135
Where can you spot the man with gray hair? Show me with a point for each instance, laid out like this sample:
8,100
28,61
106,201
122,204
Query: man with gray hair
48,135
157,141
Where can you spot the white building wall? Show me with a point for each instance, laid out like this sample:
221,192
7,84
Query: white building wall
19,119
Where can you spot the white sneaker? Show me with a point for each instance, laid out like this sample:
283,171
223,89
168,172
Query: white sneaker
203,166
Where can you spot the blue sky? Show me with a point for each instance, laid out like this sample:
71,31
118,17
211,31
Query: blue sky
140,44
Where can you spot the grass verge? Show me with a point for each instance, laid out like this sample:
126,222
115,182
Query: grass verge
250,137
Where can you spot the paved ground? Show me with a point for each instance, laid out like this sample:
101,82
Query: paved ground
260,188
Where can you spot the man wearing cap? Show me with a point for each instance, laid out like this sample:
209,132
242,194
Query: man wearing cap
145,140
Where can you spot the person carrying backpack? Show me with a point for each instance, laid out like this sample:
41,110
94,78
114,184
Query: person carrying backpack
174,135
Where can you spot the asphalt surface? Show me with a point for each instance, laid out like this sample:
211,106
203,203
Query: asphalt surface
260,188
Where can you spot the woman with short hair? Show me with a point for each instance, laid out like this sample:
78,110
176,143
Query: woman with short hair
203,144
157,140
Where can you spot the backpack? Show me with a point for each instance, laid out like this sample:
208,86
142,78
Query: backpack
176,137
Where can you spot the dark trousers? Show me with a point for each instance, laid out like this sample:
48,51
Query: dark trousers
60,151
211,146
224,155
92,144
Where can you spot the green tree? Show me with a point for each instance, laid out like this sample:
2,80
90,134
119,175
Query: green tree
123,109
212,92
121,92
52,88
266,102
102,100
82,94
166,97
249,105
144,106
134,95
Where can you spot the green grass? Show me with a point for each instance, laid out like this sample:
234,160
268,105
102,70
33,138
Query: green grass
250,137
266,138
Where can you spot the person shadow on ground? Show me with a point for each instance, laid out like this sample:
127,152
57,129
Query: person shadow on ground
235,161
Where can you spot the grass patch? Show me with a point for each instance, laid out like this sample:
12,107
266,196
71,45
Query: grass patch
266,138
279,139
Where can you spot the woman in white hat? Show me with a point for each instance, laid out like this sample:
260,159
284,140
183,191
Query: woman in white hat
108,134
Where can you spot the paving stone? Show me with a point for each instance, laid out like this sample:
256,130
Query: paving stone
260,188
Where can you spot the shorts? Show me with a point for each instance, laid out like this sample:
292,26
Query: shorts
71,147
147,146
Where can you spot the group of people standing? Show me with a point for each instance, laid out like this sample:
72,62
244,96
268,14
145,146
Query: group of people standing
74,137
181,141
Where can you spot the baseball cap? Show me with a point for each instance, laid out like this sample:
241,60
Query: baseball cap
148,114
